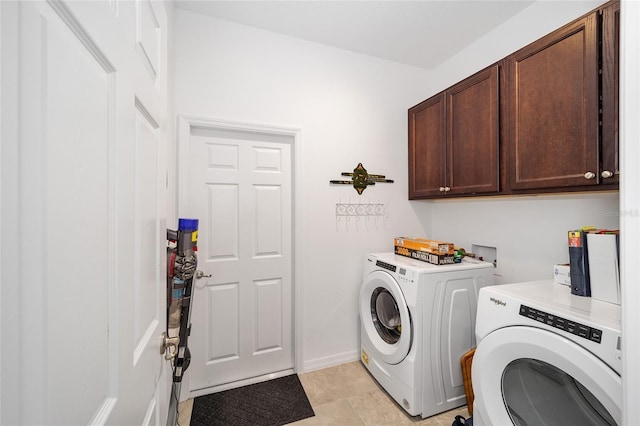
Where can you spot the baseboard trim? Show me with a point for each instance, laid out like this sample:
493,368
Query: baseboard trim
330,361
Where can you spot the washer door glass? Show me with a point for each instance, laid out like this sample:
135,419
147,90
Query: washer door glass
537,393
385,315
385,318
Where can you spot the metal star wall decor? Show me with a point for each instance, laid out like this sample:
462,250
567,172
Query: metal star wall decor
361,179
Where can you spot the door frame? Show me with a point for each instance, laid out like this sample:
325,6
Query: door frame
185,125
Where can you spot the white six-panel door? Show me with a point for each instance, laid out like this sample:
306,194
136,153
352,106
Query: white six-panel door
240,187
83,199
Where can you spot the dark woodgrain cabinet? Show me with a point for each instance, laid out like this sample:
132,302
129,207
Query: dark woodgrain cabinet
610,65
553,114
454,139
542,120
427,148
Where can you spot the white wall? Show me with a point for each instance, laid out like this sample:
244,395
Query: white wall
351,108
530,233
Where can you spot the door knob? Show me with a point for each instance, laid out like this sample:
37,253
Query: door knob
200,274
167,344
589,175
606,174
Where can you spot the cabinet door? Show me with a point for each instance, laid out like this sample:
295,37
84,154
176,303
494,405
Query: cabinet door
553,118
610,88
427,141
473,134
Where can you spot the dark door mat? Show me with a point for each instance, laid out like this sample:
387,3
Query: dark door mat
272,403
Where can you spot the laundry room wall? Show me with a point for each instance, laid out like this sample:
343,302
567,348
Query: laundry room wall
350,108
529,233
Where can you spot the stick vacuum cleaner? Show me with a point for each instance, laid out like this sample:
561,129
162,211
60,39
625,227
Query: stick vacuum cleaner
182,262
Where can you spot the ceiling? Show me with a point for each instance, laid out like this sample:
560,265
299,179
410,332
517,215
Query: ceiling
421,33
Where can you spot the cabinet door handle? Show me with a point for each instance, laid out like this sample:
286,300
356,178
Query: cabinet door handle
589,175
606,174
447,189
442,189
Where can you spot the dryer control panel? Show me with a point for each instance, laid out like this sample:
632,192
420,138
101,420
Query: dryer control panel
581,330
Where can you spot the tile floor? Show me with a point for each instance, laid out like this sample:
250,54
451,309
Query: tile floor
346,395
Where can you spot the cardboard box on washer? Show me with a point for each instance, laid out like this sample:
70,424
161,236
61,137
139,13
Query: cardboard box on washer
431,251
561,274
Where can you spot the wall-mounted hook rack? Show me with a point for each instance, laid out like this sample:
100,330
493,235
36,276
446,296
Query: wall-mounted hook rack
358,210
361,179
348,213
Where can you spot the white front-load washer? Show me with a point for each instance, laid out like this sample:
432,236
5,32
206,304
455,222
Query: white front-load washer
417,320
546,357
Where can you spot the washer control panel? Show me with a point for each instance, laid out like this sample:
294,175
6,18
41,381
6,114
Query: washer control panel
386,265
401,274
581,330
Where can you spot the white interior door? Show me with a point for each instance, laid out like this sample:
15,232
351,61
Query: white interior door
83,198
240,188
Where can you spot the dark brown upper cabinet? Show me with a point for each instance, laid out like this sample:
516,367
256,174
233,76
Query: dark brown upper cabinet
610,63
562,107
545,119
454,139
553,112
427,148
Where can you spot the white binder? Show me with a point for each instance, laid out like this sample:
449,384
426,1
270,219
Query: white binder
604,267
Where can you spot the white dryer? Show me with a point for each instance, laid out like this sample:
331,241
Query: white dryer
545,357
417,320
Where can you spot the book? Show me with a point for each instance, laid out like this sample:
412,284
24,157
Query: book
579,262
